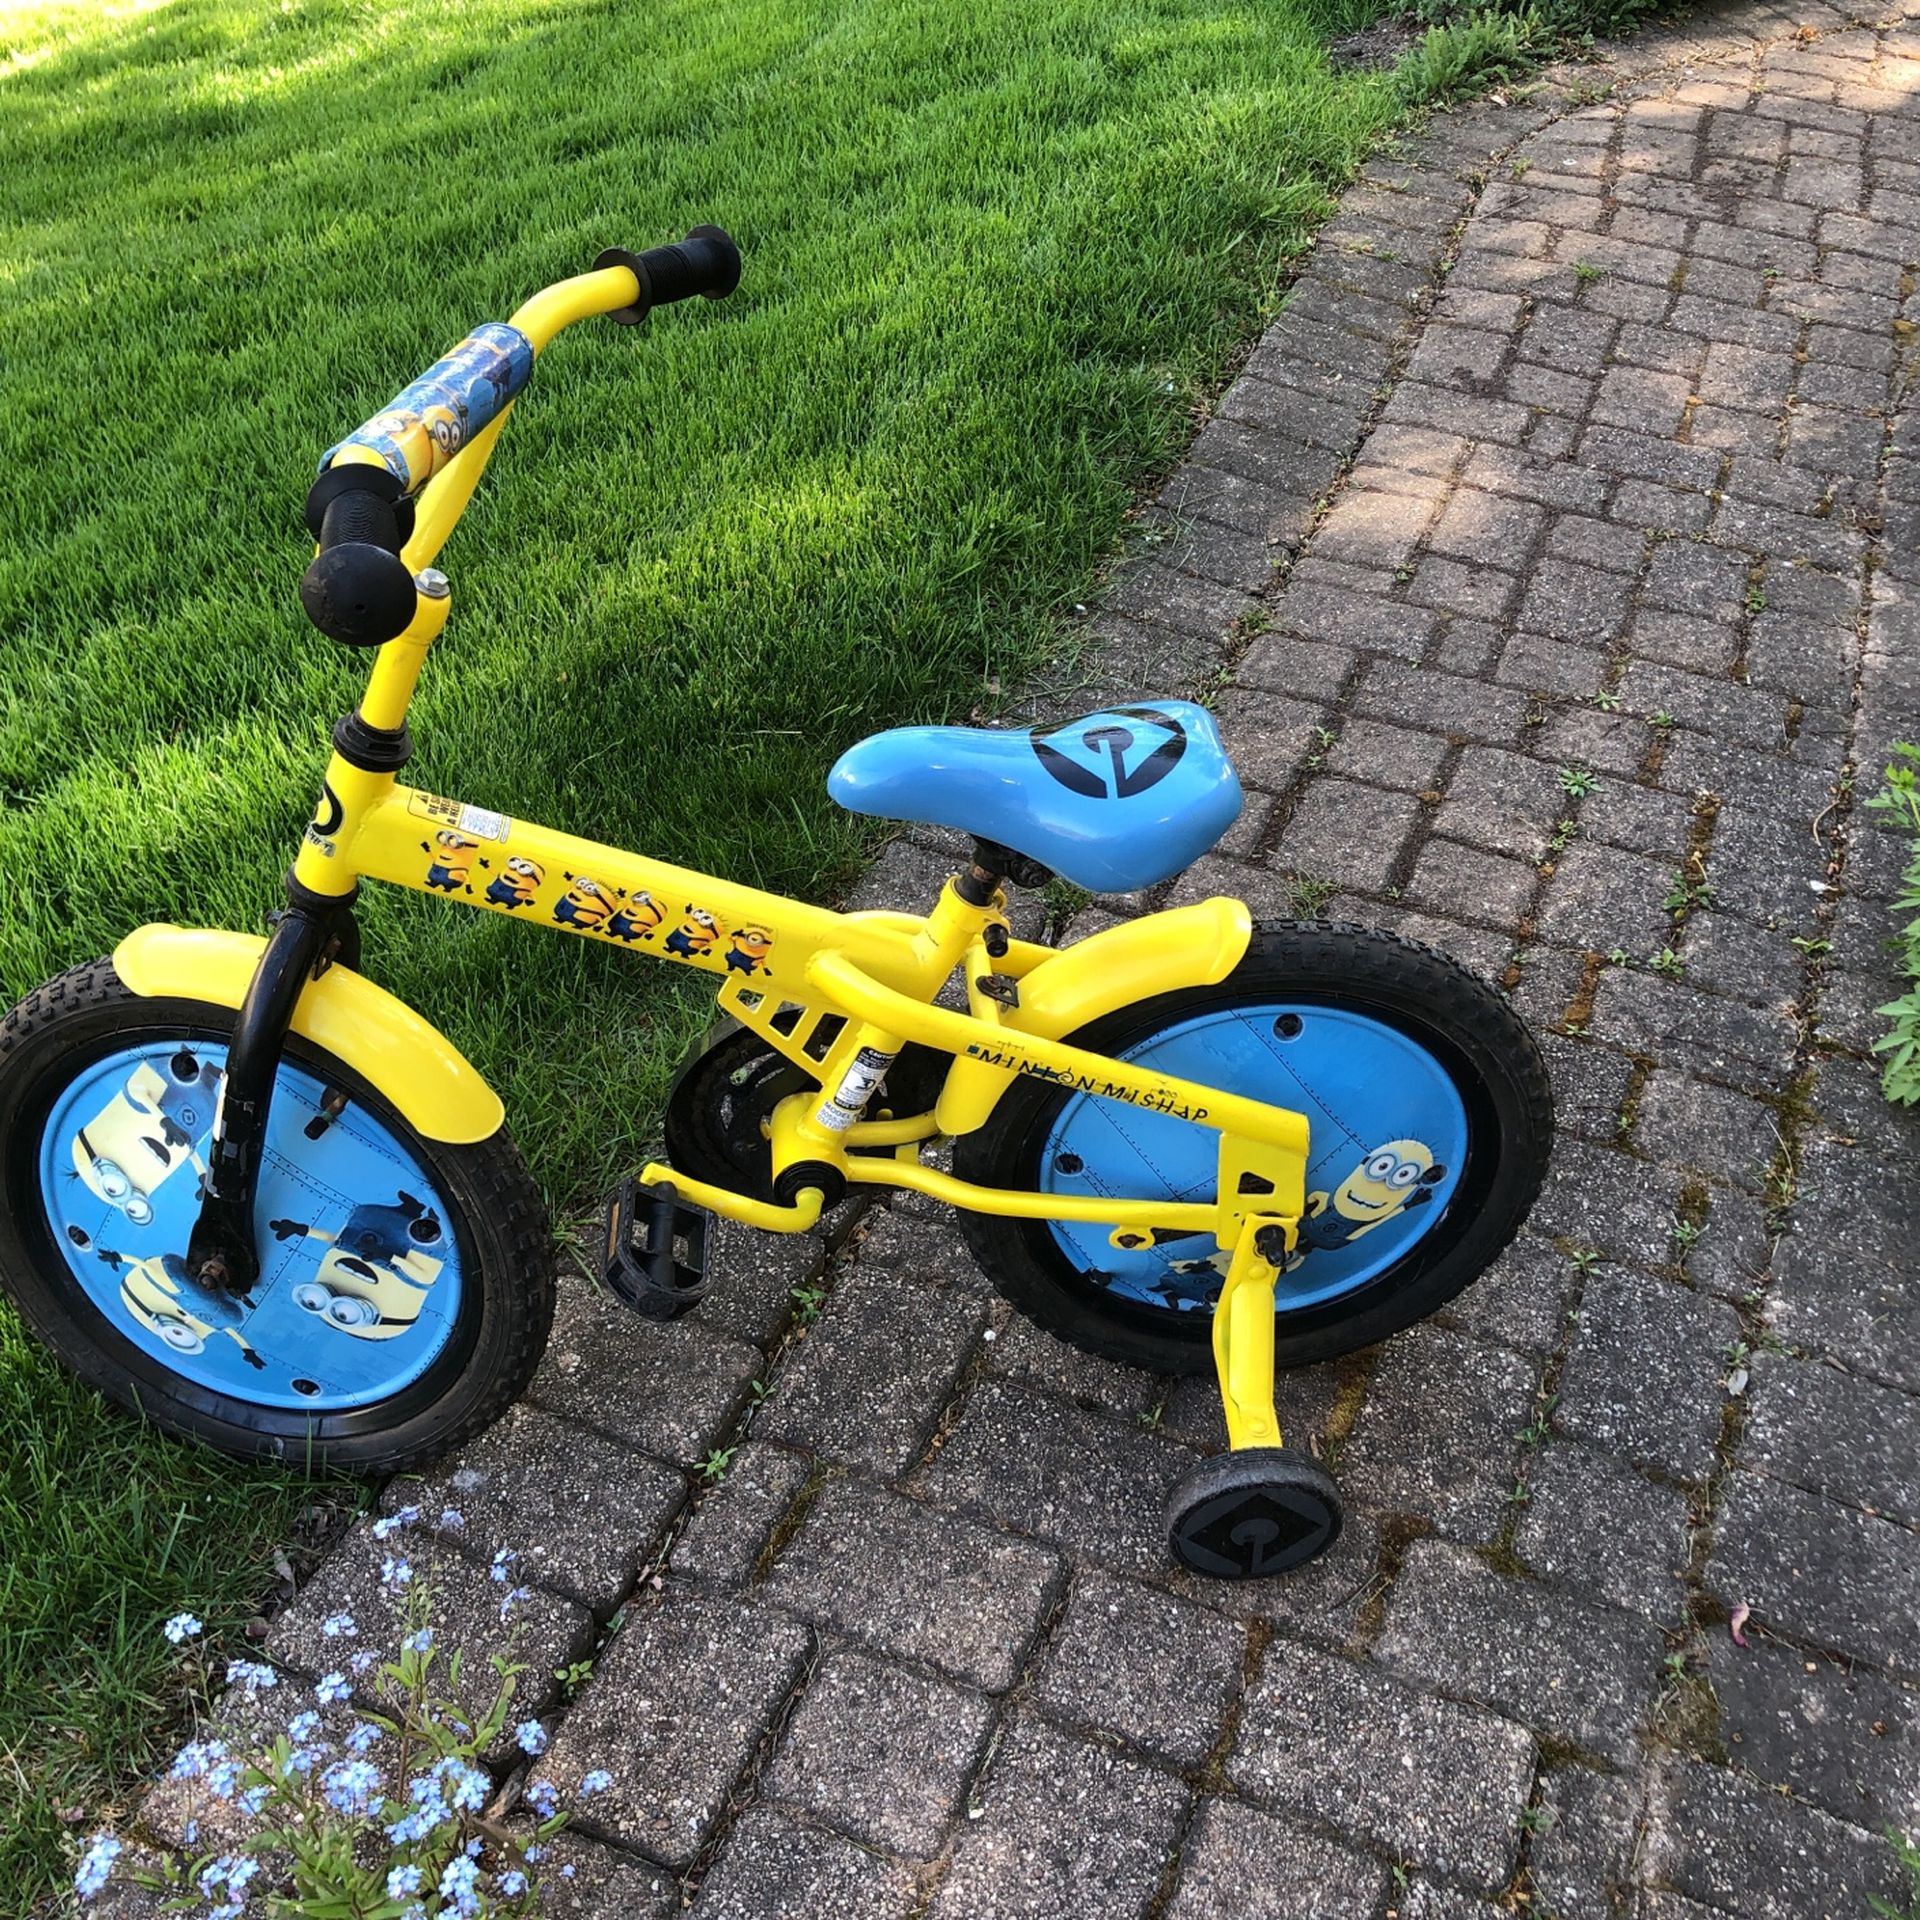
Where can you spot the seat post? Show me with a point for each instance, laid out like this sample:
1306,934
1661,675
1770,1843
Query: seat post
993,863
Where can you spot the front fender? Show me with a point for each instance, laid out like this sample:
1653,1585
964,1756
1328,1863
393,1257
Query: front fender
1195,946
436,1089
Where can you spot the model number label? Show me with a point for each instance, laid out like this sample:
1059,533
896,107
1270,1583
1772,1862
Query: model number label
480,822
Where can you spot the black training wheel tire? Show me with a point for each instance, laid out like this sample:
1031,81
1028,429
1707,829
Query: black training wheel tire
1254,1513
1452,1012
494,1209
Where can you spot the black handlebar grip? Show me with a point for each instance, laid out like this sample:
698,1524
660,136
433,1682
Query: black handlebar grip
358,589
705,262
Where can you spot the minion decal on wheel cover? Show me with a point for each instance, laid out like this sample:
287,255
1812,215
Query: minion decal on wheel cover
146,1131
1389,1180
165,1298
361,1270
376,1270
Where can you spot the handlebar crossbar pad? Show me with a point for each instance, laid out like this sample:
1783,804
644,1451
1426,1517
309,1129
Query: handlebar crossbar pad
422,427
705,262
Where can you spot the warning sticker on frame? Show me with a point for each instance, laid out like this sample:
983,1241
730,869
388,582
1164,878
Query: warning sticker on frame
477,821
857,1087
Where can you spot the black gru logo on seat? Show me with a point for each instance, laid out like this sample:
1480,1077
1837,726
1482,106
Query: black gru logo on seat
1109,741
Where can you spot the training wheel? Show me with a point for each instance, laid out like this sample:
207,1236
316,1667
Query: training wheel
1255,1512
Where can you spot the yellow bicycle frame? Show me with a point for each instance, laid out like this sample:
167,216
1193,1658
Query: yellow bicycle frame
839,994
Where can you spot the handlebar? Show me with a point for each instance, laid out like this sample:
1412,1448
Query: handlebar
359,588
705,262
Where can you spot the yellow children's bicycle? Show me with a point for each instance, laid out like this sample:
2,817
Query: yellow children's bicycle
254,1196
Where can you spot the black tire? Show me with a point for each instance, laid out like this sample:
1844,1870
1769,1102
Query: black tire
1463,1022
494,1210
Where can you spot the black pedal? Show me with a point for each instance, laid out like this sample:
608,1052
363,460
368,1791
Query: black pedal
655,1256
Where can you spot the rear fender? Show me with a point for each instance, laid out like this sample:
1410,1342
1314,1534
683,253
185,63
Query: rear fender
432,1084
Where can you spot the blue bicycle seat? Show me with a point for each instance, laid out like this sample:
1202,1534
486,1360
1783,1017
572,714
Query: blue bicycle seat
1112,801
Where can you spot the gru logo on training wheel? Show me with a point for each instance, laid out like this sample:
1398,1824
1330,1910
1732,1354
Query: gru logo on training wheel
1118,755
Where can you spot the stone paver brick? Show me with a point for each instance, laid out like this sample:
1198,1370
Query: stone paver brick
1387,756
752,1275
1731,956
1457,879
543,1629
1438,702
922,1246
1349,833
869,1379
1602,898
1502,801
1026,1461
1591,1086
1835,1733
579,1512
1267,735
732,1522
1685,1122
1431,1781
1065,1830
1732,1845
1583,1853
1439,1431
1601,742
1835,1434
1551,667
670,1389
1024,1352
1817,1570
1556,1663
881,1753
1423,1900
918,1584
1600,1527
1645,1376
1607,1203
1584,605
582,1881
1844,1274
774,1864
1240,1863
1743,1045
674,1710
1129,1660
1521,1300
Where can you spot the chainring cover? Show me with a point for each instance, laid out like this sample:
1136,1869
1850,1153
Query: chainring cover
722,1100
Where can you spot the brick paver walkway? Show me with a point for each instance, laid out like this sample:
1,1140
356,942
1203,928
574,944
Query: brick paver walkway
1555,558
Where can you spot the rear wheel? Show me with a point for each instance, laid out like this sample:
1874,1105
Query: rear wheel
1431,1122
406,1285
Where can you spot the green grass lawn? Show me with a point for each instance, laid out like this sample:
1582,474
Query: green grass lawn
995,252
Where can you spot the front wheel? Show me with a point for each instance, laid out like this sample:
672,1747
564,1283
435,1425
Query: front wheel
1431,1121
406,1285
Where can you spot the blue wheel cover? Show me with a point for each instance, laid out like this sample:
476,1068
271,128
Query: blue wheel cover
359,1285
1389,1140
